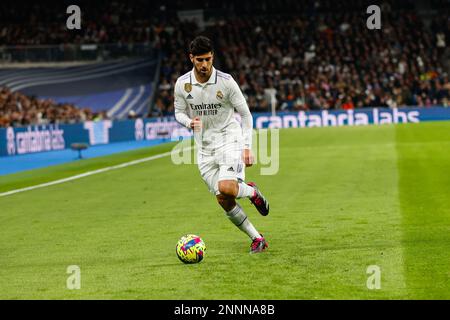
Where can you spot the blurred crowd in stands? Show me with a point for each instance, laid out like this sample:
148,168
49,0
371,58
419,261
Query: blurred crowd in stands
17,109
44,22
294,55
327,59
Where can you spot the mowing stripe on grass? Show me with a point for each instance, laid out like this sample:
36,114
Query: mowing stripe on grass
86,174
424,186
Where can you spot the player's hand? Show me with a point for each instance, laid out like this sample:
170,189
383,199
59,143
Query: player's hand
248,158
196,124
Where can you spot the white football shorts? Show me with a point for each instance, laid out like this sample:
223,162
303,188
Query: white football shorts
225,163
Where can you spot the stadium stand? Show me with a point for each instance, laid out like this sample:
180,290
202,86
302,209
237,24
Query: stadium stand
17,109
326,58
44,23
309,54
117,87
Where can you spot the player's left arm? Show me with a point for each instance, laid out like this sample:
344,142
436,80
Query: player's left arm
237,100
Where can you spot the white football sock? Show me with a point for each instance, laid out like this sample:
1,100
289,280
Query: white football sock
245,191
239,218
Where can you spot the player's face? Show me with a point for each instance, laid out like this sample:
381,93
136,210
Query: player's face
203,63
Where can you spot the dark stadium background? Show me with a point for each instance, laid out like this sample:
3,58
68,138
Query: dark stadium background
366,189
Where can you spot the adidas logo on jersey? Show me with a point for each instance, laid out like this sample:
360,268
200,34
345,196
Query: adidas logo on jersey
190,97
230,169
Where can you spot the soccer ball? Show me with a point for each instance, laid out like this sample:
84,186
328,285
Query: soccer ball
190,249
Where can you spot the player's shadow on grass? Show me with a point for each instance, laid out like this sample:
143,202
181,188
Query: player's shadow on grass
179,263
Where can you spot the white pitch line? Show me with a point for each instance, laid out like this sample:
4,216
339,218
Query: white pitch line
89,173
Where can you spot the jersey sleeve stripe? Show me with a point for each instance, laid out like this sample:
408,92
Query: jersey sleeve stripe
184,77
224,76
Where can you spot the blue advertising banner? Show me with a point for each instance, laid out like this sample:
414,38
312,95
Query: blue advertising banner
25,140
324,118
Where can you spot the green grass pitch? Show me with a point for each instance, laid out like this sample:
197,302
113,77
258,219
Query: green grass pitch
344,199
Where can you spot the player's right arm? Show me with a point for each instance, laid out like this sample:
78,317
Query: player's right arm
181,107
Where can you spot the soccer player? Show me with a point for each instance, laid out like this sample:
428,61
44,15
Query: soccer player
205,99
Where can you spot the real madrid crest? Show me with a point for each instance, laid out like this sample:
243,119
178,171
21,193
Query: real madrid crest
188,87
219,95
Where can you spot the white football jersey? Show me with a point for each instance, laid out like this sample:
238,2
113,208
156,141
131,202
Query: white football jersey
214,102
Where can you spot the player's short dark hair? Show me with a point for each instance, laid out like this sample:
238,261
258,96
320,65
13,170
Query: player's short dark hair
200,45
